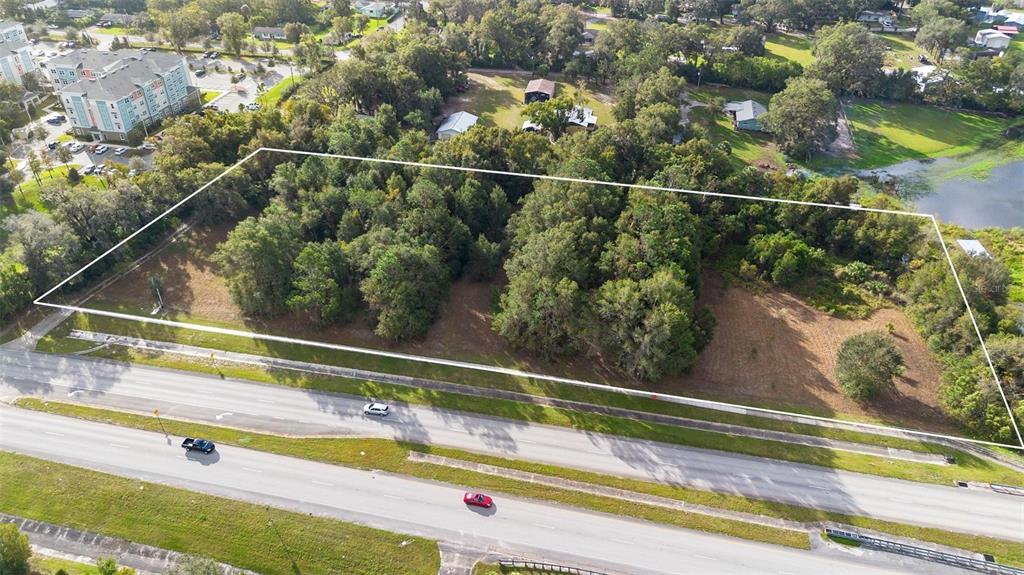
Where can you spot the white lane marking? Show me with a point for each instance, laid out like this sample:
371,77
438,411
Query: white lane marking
262,400
704,557
54,433
323,483
253,470
626,541
543,526
223,415
119,446
398,497
74,392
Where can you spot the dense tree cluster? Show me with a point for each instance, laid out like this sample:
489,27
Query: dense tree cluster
866,365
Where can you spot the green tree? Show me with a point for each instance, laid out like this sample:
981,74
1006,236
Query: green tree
848,58
646,326
14,551
867,363
802,117
234,29
484,259
323,284
294,31
552,115
941,34
541,315
785,258
257,260
181,25
15,286
405,289
47,248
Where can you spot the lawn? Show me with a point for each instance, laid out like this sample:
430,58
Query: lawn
209,95
272,96
901,52
255,537
44,565
111,31
27,195
393,456
790,47
498,99
889,133
748,148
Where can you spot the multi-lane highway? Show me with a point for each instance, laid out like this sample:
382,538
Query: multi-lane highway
418,507
276,409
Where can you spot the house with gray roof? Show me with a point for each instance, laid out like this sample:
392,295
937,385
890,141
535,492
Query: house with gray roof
746,115
268,33
119,95
457,123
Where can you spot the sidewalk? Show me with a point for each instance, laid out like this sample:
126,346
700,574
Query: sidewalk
278,363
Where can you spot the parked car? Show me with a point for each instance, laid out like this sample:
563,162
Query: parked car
148,146
252,106
100,150
56,120
478,500
89,170
51,145
214,55
76,147
378,409
196,444
120,151
149,49
200,72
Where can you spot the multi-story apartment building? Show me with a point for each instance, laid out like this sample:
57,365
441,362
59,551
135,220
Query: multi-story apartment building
15,53
118,95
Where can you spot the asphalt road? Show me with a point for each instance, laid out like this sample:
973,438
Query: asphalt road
280,409
413,506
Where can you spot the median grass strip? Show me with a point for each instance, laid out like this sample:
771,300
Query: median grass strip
43,565
393,456
57,342
968,467
254,537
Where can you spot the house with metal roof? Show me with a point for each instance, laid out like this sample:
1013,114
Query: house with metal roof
539,90
993,39
457,123
746,114
118,96
582,117
974,248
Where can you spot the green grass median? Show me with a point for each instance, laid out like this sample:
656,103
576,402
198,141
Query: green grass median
262,539
389,455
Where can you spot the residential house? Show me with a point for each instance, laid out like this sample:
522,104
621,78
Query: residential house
15,53
373,9
582,118
746,114
121,99
926,76
119,19
457,123
992,39
76,14
974,248
268,33
539,90
589,35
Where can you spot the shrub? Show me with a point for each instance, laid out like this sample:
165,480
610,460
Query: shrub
867,364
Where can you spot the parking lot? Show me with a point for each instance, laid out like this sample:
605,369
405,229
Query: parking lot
215,75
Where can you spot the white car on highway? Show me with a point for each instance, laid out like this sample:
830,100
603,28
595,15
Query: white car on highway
378,409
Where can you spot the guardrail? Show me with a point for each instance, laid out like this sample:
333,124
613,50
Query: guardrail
1007,489
546,567
926,554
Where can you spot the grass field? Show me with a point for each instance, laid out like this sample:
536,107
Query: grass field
209,95
790,47
255,537
889,133
498,99
44,565
27,195
272,96
748,148
392,456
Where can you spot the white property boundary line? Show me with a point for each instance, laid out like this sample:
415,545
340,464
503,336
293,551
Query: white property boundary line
721,406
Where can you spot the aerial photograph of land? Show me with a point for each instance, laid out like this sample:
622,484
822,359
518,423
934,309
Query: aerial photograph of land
511,287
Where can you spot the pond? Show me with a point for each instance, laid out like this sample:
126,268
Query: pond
948,189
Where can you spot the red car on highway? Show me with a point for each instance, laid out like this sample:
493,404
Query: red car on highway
478,500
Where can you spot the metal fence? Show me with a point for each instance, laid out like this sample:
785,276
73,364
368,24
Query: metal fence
1007,489
546,567
926,554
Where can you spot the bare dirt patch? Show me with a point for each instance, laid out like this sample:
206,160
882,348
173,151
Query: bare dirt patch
769,349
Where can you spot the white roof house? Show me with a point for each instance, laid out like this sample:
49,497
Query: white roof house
925,75
992,39
583,117
974,248
457,123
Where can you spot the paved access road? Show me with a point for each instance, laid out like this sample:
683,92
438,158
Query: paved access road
412,506
279,409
